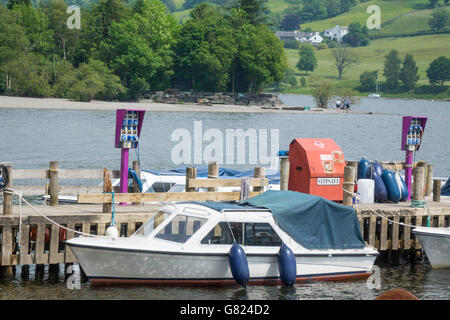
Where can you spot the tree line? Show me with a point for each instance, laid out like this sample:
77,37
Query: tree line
126,48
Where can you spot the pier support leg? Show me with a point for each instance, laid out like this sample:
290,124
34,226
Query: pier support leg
408,172
53,273
54,183
124,172
284,173
39,272
437,190
7,197
25,272
259,172
349,185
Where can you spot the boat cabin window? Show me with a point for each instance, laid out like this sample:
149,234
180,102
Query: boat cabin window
261,234
255,234
221,233
161,187
181,228
152,223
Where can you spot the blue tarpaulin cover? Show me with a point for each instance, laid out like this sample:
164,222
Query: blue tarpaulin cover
312,221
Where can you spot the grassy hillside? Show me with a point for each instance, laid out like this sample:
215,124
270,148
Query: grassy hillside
424,49
389,10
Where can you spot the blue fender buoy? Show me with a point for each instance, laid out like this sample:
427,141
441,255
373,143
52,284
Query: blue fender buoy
402,184
363,168
238,264
287,266
392,187
380,189
378,168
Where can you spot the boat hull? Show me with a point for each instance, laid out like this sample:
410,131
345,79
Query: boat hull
106,266
436,243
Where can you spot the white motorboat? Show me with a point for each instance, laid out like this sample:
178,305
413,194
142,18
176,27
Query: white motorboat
374,95
436,244
189,243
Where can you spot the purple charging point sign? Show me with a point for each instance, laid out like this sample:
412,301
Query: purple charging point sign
412,134
128,130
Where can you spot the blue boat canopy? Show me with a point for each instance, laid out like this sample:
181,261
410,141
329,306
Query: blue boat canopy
202,172
445,191
312,221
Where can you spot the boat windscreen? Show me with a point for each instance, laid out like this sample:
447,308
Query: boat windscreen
152,223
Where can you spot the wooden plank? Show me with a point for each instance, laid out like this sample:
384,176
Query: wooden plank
24,257
86,227
29,174
441,221
131,228
6,245
40,257
216,183
31,190
69,257
383,235
372,228
395,232
54,244
407,233
80,189
101,227
161,197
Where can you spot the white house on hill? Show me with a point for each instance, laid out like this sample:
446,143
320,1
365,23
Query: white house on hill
336,33
304,37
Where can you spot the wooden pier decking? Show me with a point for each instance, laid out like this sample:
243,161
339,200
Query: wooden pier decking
42,242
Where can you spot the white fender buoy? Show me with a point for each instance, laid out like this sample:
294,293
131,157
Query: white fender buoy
112,232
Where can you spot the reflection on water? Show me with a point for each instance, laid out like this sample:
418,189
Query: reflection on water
419,279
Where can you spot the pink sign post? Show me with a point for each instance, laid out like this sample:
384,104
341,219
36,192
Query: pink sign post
412,134
128,130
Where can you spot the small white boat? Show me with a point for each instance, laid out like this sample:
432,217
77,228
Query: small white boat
374,95
189,244
436,243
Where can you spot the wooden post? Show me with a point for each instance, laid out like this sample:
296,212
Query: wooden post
349,185
284,173
437,190
418,187
213,173
107,188
7,196
54,183
259,172
429,180
354,164
137,169
191,173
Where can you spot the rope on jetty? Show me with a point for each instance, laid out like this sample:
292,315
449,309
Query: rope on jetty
13,192
356,196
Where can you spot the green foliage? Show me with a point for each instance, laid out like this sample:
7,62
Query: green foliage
357,35
307,61
303,82
290,22
439,71
368,80
439,18
322,91
392,69
409,72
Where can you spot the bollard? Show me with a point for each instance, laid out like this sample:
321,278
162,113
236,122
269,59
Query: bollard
213,173
191,173
54,183
349,185
418,186
437,190
259,172
284,173
429,180
355,165
137,169
107,188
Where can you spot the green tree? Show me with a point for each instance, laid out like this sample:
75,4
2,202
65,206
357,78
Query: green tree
433,3
368,80
392,69
409,72
439,18
313,10
344,58
307,60
255,9
439,71
357,35
322,91
13,3
139,49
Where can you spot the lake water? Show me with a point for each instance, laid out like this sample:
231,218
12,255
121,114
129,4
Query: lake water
78,139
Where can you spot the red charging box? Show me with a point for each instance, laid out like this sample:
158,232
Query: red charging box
317,167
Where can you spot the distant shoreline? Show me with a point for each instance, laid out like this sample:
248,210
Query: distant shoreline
9,102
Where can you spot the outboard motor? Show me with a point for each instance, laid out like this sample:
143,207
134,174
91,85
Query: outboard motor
238,264
287,266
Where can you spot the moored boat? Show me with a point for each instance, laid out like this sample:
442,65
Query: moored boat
189,243
436,244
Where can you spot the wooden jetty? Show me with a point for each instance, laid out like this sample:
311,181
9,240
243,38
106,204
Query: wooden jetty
42,242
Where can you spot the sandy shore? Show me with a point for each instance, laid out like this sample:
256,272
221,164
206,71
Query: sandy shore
64,104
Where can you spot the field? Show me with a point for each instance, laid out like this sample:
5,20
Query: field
424,49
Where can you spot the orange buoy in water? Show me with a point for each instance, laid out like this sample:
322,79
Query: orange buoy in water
397,294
